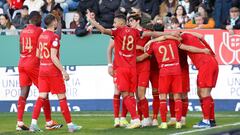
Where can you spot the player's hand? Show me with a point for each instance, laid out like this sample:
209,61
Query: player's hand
110,70
206,51
147,45
65,76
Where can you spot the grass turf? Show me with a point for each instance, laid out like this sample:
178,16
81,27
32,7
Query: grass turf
101,123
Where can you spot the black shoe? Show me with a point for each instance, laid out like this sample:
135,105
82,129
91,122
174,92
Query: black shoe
20,128
213,123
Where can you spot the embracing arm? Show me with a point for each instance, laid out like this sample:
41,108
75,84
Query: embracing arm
194,49
142,57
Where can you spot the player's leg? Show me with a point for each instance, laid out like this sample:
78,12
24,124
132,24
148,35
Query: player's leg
50,124
184,107
155,105
66,113
36,111
21,106
163,110
178,109
116,106
171,102
144,106
25,83
207,78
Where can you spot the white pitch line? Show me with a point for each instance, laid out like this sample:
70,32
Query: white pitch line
205,129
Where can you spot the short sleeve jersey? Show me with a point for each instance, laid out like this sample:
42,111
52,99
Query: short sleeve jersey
125,40
28,43
166,53
46,42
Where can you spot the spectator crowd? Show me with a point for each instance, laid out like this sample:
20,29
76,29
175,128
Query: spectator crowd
168,14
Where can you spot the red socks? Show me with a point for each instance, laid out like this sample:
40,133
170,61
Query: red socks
37,108
139,110
144,107
172,107
124,110
116,105
130,103
178,109
65,110
155,105
163,110
21,107
47,110
212,112
206,107
184,107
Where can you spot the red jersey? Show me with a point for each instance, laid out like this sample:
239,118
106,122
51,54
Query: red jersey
28,44
183,59
125,40
153,64
197,58
166,53
46,42
145,64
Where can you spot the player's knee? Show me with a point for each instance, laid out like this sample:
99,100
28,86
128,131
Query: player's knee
43,95
61,96
177,96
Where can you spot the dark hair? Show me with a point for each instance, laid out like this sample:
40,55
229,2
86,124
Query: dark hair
35,18
120,16
25,7
8,24
184,10
49,19
135,17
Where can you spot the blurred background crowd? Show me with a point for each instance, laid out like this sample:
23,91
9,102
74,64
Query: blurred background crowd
161,14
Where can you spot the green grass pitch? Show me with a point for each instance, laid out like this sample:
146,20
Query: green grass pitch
101,123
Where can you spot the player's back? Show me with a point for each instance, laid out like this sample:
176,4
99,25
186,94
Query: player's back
28,43
197,58
166,53
46,42
125,39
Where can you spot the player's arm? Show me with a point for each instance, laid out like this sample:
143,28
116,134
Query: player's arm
147,45
142,57
58,64
109,57
138,47
97,25
194,49
158,34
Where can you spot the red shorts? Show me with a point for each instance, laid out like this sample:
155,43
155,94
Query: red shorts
126,79
170,84
185,81
208,74
114,77
154,76
143,79
53,84
28,75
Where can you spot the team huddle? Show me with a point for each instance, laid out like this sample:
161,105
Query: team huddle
140,56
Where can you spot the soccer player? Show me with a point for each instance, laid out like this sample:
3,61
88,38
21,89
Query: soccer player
170,79
51,74
185,89
122,122
143,72
207,76
29,69
125,39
